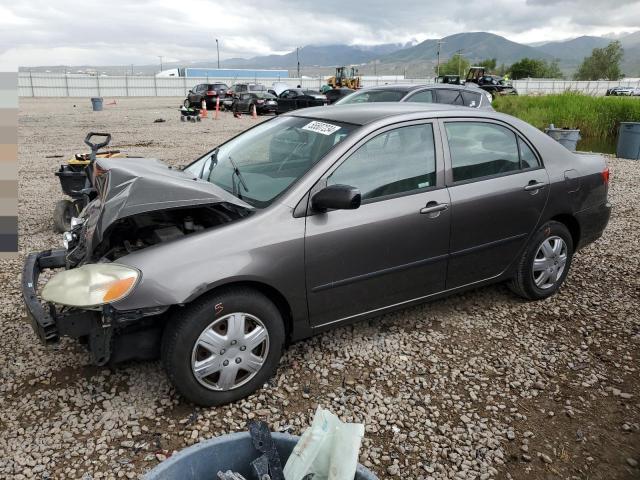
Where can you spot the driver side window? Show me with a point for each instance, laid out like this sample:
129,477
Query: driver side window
397,161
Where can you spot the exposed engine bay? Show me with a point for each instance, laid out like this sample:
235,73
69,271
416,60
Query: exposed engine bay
143,230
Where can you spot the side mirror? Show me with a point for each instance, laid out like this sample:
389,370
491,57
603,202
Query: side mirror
336,197
190,91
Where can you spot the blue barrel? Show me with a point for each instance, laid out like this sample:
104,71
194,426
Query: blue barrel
567,137
96,102
233,452
629,140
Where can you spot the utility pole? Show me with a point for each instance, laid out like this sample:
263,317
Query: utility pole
459,62
218,50
440,42
298,60
160,57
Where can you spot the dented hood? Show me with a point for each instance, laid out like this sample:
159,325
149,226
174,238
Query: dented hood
131,186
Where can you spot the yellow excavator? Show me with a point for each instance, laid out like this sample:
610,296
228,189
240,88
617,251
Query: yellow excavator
345,77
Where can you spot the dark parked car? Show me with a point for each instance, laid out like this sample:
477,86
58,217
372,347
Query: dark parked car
306,222
335,94
243,96
468,96
208,92
296,98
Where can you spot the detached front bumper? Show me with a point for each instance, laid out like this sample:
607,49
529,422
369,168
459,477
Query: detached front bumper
110,334
50,324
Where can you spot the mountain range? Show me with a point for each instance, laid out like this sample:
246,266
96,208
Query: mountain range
412,59
474,46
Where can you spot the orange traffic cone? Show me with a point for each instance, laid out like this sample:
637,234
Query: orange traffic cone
215,117
203,110
254,112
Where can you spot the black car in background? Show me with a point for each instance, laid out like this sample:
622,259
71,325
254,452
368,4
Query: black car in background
208,92
295,98
243,96
461,95
336,94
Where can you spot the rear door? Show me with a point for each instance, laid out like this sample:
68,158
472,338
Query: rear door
393,248
498,189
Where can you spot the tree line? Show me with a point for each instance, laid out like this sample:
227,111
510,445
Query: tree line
602,64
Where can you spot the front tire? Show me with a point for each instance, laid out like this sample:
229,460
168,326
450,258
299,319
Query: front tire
223,347
545,262
186,103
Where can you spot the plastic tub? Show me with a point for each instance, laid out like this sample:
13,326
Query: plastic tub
96,103
567,137
235,452
629,140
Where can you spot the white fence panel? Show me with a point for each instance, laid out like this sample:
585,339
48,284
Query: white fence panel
60,85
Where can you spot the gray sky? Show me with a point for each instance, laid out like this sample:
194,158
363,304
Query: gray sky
120,32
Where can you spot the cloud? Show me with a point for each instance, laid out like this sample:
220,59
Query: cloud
72,32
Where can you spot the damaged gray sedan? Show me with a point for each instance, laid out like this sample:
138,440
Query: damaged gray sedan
308,221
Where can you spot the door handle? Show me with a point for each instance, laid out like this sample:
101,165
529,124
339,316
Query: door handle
533,186
434,207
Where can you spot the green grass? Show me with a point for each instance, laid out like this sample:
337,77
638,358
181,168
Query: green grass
596,117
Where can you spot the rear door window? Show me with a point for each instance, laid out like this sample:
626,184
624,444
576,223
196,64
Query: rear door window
480,149
425,96
450,97
528,159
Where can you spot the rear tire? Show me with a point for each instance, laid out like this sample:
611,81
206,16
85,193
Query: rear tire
62,214
201,337
545,262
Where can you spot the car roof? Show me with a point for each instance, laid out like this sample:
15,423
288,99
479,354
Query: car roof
363,113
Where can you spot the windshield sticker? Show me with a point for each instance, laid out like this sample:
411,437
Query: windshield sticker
321,127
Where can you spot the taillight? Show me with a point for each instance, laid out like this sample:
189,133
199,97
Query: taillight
212,93
606,175
229,92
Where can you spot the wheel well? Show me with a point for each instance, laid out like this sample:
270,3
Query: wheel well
572,224
271,293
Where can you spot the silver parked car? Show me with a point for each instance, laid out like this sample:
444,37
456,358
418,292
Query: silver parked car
308,221
461,95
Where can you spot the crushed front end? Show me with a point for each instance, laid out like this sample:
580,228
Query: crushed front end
125,216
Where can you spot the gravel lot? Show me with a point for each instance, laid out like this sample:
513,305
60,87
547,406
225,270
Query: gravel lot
481,385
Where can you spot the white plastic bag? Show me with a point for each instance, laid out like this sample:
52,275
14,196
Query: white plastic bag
328,449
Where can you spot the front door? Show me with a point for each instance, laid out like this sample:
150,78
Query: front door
498,190
393,248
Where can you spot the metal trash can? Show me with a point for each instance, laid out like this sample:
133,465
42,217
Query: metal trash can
629,140
567,137
96,102
229,452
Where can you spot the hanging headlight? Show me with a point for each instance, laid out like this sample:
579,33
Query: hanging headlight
91,285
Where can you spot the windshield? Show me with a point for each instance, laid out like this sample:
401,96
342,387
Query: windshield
257,88
260,164
369,96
